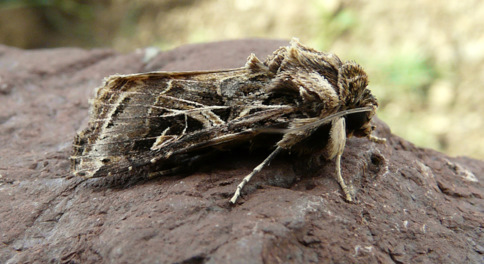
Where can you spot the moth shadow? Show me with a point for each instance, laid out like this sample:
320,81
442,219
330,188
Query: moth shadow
224,169
117,182
217,174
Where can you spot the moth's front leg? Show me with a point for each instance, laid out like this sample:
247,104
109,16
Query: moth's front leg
336,146
368,133
376,139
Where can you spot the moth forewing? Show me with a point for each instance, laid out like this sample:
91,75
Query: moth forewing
159,121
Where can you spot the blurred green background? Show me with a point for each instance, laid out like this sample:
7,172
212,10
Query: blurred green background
425,58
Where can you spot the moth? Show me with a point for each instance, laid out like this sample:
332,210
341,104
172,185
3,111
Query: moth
303,101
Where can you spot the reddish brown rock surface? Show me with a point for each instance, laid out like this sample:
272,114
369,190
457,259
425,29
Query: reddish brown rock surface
412,205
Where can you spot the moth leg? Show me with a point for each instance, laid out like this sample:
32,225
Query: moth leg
340,179
376,139
255,171
337,142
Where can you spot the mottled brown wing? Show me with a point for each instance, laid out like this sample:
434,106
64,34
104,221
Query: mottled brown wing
142,119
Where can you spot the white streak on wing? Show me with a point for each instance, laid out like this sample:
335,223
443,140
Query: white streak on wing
98,147
176,112
162,139
214,119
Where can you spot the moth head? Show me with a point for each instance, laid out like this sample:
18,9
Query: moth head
352,83
359,124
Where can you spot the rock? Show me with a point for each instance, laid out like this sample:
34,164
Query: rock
412,204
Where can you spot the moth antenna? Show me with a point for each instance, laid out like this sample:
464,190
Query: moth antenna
314,124
255,171
332,117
